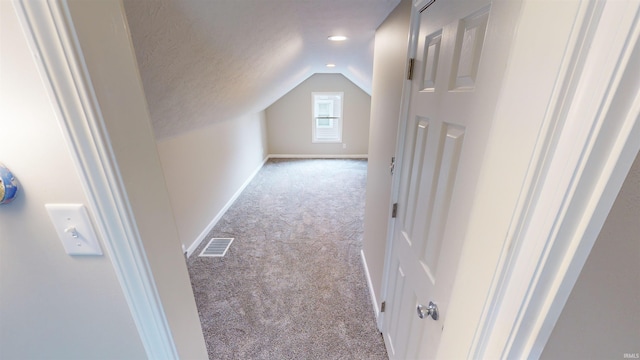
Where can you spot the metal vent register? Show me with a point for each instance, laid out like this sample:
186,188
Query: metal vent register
217,247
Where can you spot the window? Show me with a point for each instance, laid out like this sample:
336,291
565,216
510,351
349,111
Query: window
327,117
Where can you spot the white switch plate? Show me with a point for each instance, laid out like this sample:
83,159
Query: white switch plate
74,229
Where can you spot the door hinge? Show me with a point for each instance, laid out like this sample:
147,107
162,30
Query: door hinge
383,306
394,210
392,166
412,62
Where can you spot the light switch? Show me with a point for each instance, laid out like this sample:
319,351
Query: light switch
74,229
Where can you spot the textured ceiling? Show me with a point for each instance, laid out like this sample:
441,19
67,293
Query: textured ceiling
206,61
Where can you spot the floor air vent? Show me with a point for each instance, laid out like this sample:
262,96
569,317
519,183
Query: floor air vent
217,247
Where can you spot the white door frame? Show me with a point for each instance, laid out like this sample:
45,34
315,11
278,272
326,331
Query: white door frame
399,155
52,39
590,137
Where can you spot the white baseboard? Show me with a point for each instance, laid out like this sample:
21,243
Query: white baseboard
224,209
374,301
318,156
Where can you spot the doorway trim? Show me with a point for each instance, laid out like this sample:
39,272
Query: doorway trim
50,32
590,138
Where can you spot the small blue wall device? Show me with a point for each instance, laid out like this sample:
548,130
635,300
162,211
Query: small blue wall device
8,185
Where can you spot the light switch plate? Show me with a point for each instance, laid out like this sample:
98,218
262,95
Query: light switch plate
74,229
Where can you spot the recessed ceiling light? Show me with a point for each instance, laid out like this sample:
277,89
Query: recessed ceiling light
337,38
331,65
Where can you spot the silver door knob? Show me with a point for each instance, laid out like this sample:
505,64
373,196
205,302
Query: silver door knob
426,311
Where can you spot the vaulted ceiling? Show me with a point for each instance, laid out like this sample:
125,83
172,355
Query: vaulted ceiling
203,61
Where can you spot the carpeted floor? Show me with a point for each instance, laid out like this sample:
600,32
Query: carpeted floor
292,285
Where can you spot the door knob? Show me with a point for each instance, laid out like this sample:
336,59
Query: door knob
426,311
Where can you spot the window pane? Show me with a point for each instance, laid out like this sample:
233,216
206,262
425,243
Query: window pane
327,117
324,123
323,109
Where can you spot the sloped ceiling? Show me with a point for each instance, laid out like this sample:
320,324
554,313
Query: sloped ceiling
203,61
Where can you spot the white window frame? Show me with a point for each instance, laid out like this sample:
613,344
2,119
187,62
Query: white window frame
336,100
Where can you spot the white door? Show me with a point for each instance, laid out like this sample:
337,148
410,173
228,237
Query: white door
454,94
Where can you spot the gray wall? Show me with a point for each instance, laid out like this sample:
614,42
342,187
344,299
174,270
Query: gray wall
205,168
289,119
52,305
390,55
601,319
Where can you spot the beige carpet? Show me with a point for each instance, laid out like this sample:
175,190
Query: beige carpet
292,285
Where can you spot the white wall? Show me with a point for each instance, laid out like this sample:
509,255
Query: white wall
205,168
52,305
106,45
390,55
289,119
601,319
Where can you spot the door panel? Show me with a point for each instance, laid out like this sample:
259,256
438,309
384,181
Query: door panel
470,37
417,161
449,153
400,296
431,56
